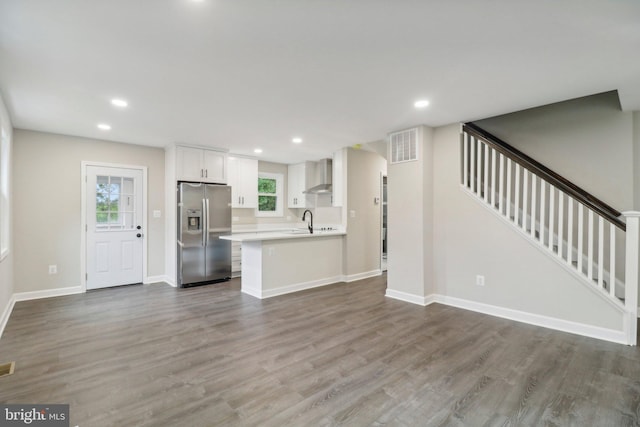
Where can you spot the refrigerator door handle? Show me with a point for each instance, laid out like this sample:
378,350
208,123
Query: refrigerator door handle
207,229
204,223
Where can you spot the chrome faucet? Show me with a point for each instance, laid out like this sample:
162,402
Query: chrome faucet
310,226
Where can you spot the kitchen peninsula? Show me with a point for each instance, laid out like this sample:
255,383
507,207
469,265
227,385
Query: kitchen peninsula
276,263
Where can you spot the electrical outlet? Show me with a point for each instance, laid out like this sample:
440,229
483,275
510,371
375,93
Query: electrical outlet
157,214
272,250
53,269
480,280
352,214
235,218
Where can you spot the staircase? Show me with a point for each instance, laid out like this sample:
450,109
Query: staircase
586,236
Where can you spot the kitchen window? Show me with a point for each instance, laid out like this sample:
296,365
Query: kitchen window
269,194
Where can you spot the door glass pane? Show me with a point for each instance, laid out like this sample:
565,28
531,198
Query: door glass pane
114,203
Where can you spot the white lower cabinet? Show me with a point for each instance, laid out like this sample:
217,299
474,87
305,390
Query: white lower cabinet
236,259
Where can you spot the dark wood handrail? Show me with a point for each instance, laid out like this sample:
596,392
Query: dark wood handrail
590,201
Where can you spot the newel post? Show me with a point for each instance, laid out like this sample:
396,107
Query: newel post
632,253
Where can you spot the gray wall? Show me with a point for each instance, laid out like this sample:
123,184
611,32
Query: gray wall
6,266
47,187
586,140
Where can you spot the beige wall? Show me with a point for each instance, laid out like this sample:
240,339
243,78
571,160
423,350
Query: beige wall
362,243
6,266
47,203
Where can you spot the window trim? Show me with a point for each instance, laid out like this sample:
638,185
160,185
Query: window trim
279,212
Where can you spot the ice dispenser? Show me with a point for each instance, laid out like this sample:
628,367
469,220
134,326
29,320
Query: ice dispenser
194,219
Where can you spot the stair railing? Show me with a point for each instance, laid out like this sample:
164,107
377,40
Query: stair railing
580,231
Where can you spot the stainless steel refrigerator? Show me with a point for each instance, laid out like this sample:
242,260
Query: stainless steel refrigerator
204,214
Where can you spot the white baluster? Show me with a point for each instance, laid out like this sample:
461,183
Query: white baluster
600,252
552,212
493,178
534,179
509,189
472,159
569,230
560,221
516,208
525,198
479,169
580,236
631,275
486,173
612,259
501,185
590,245
465,160
543,209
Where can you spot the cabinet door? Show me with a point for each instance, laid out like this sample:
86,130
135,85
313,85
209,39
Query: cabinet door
249,180
215,167
189,164
294,174
243,178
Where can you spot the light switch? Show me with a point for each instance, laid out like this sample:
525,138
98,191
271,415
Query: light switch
352,214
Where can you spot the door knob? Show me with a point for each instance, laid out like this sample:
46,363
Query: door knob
138,235
138,227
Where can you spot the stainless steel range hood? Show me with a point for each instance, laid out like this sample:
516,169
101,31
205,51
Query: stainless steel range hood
325,176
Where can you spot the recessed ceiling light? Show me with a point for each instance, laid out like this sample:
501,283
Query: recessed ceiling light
119,102
104,126
258,150
296,140
421,104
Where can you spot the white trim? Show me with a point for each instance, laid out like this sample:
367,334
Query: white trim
536,319
48,293
6,314
562,325
268,293
83,214
154,279
407,297
360,276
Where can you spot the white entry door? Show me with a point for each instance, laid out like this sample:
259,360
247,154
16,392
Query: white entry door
114,226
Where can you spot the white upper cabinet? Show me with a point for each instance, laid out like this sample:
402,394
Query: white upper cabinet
243,178
197,164
300,177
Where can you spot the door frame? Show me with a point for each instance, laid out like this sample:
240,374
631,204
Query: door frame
83,216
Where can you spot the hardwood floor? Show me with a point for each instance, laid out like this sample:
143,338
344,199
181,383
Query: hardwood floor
343,354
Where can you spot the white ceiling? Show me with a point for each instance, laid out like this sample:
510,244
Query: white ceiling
241,74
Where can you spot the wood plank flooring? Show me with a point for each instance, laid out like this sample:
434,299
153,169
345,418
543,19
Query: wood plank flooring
343,354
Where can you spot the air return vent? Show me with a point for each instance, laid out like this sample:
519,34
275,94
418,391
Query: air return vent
404,146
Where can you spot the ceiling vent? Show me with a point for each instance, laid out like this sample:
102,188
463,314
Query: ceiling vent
404,146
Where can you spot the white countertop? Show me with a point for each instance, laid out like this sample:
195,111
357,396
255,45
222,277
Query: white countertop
279,235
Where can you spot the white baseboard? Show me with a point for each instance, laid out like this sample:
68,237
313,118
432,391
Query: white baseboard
48,293
407,297
591,331
360,276
297,287
6,313
156,279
